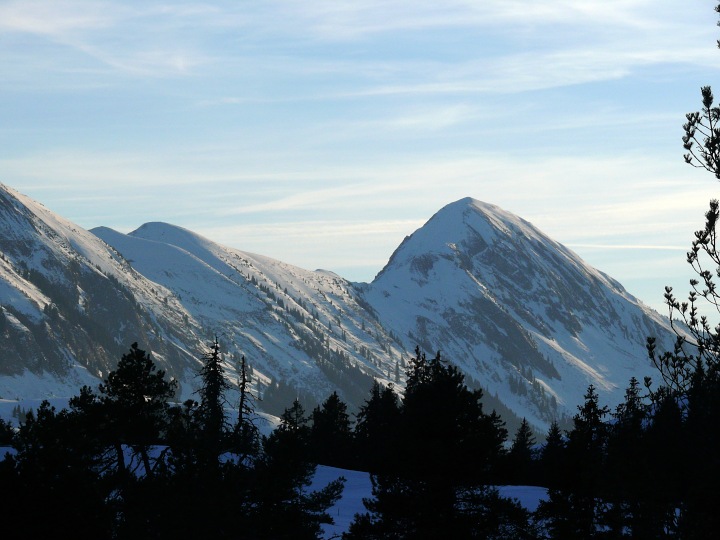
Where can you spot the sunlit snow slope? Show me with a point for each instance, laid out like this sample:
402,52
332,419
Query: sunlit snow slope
524,317
514,309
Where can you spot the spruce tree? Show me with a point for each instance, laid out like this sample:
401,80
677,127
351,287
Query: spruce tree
377,430
211,412
330,433
7,434
576,510
287,448
521,457
626,470
552,472
282,505
666,450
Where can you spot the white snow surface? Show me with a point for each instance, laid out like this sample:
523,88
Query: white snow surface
38,386
497,297
246,299
358,487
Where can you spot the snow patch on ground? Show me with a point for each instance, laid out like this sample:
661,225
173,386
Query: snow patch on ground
358,486
45,385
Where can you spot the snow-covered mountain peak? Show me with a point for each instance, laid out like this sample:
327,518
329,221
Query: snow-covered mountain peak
169,234
506,302
495,247
70,303
521,315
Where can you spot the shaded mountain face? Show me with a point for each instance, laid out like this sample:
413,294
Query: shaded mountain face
521,315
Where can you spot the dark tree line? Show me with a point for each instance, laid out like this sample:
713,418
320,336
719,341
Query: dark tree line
651,468
433,456
648,469
123,461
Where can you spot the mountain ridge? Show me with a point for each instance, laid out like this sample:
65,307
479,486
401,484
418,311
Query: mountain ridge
473,265
524,317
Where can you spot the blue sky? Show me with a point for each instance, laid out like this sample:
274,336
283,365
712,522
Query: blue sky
322,133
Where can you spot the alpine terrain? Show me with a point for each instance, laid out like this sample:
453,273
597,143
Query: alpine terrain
524,317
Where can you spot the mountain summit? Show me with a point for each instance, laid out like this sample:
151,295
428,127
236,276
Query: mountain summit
525,318
510,305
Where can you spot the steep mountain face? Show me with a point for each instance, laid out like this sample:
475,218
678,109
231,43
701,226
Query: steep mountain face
515,310
303,332
70,305
72,302
524,317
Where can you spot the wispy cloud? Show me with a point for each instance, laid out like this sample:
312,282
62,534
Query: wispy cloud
136,41
351,19
348,123
633,247
313,230
57,19
553,25
157,39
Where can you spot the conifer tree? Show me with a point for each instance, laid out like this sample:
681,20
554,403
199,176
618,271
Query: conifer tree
246,433
129,415
696,356
133,405
213,419
377,429
552,459
330,433
521,457
288,447
57,472
6,433
524,441
691,371
283,506
445,451
577,509
625,471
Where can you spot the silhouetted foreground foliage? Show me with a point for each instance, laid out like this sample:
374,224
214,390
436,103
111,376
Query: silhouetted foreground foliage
648,469
126,463
437,454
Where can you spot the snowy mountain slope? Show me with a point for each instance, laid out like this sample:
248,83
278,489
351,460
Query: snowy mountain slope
296,326
523,316
515,310
69,305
